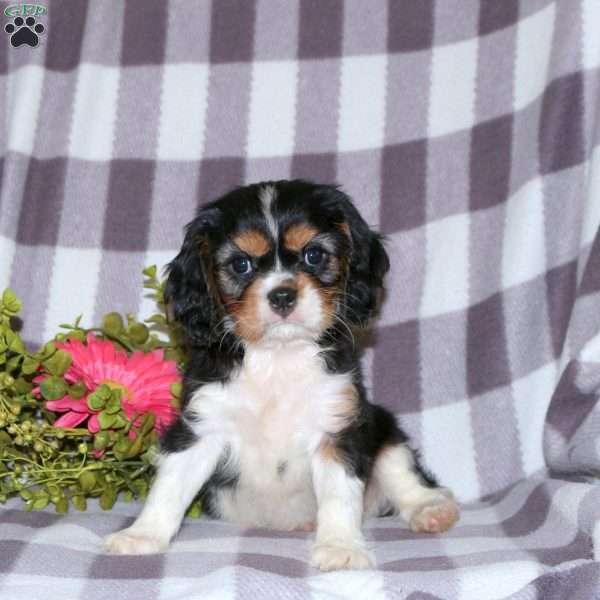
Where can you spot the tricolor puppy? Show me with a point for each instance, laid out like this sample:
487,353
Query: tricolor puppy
276,429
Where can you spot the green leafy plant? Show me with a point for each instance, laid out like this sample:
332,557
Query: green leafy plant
46,463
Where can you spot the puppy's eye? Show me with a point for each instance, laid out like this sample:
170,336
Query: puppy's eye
314,256
241,265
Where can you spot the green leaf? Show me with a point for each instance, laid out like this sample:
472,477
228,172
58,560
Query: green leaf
138,333
49,348
77,390
113,406
79,502
62,506
58,363
150,271
121,448
104,392
53,489
101,440
53,388
40,502
120,422
11,303
176,389
136,447
147,423
30,365
76,334
96,402
151,455
194,511
108,499
87,481
12,364
22,386
26,495
14,342
106,420
157,319
112,324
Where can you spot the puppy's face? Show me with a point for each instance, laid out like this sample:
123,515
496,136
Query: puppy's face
279,260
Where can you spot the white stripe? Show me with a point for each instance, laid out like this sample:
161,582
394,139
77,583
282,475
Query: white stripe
183,108
94,112
24,98
7,252
14,586
74,270
534,46
361,122
272,109
267,195
496,581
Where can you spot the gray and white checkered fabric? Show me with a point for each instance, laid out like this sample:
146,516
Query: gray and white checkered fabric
467,131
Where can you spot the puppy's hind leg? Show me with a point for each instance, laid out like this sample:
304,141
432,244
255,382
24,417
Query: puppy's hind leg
419,501
180,476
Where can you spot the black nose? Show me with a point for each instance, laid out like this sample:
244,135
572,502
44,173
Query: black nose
282,300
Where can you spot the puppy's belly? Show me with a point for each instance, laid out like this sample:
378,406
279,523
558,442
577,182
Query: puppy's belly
275,493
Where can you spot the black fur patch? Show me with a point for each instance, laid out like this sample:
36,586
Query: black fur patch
178,437
224,476
374,429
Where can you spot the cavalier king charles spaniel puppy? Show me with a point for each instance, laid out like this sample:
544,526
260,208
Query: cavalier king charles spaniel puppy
276,429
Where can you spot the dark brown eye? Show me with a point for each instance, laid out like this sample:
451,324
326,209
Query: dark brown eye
241,265
314,256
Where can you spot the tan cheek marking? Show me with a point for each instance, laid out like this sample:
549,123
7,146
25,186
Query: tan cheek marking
328,297
248,324
252,242
346,409
297,236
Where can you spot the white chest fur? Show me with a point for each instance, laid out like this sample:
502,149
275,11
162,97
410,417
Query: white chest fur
273,414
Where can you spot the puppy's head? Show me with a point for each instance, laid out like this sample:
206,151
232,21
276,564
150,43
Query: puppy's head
278,260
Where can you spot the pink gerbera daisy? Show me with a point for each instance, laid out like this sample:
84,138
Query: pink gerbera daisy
145,379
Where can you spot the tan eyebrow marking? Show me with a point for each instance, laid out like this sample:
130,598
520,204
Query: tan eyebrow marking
252,242
345,228
297,236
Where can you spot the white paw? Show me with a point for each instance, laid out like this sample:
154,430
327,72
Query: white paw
331,556
435,517
132,542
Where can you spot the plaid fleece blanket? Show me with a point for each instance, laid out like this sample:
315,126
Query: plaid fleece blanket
467,131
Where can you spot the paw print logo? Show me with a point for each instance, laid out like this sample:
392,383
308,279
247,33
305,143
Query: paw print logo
24,31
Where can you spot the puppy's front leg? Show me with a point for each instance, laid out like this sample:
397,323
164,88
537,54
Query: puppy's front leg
180,476
339,542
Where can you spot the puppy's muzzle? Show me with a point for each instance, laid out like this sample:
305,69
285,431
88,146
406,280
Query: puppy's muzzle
282,300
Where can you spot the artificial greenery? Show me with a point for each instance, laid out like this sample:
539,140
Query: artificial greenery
44,464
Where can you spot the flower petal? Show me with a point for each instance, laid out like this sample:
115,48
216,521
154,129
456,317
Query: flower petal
94,424
70,419
68,403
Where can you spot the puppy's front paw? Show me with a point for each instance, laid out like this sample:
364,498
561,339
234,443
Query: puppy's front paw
134,542
331,556
435,518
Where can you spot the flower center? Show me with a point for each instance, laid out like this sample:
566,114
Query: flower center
115,385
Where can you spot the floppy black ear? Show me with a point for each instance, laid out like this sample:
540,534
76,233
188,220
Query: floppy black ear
369,263
189,291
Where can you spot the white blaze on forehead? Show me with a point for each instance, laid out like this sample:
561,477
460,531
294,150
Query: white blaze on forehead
267,195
